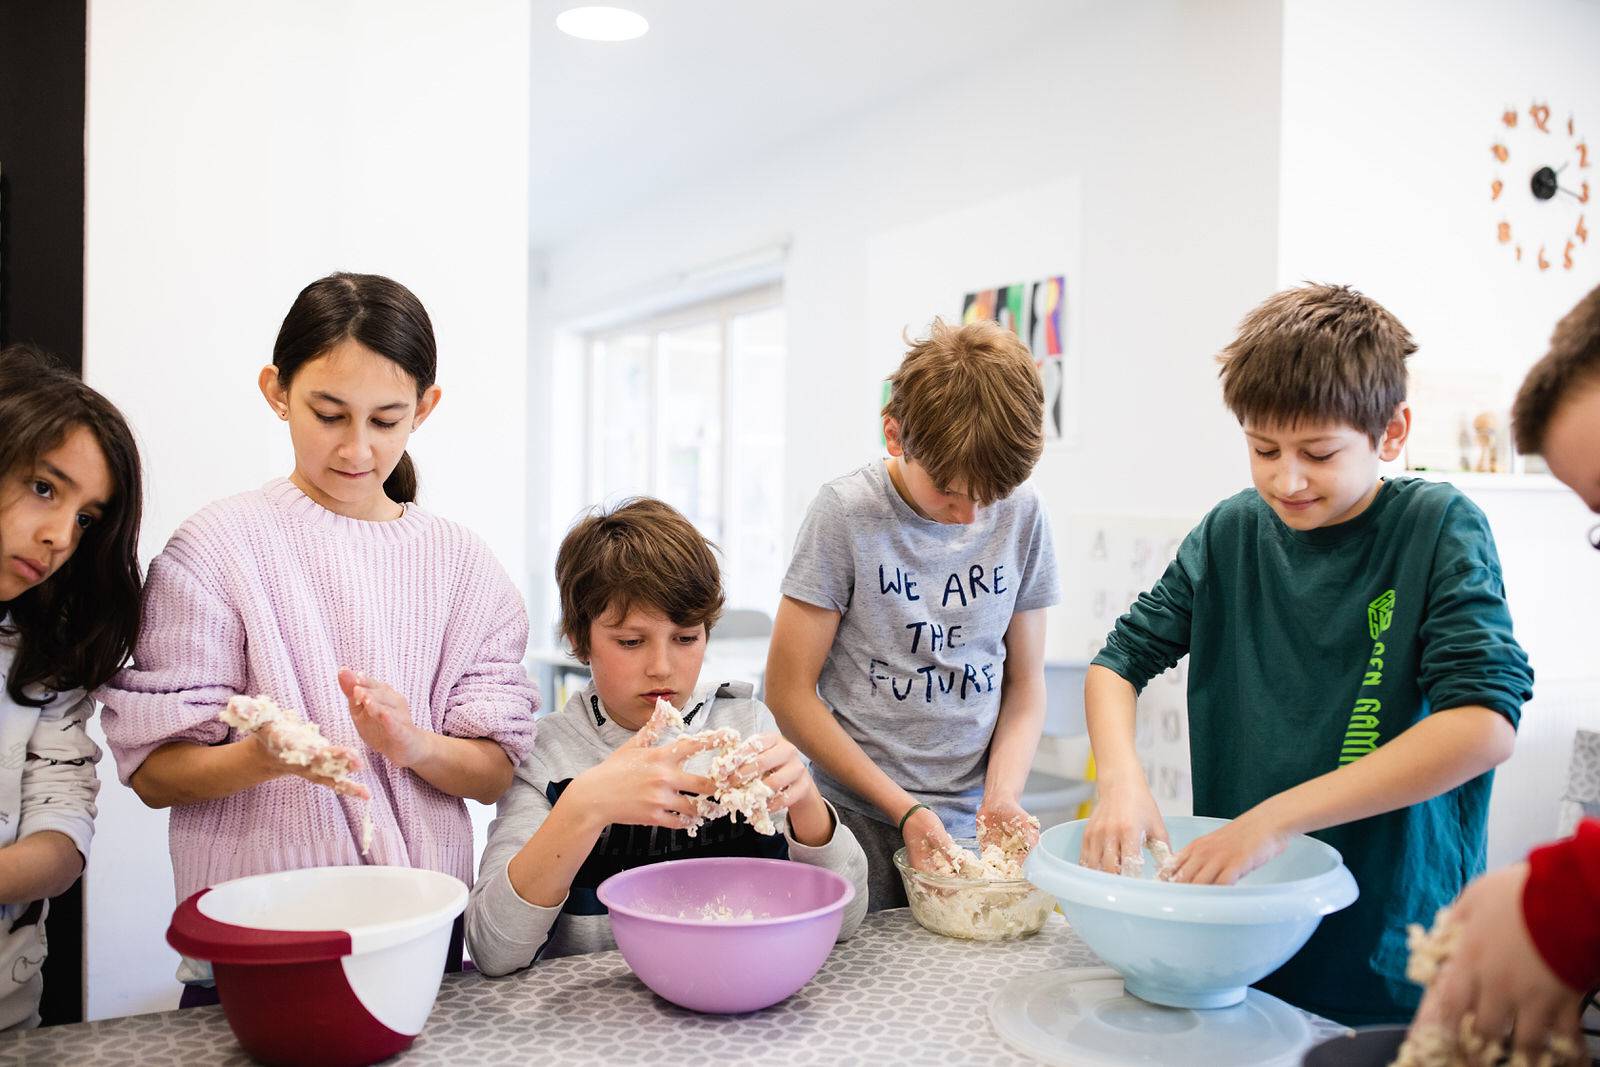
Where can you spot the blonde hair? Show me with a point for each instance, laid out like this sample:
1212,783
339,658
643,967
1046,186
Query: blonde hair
641,553
970,408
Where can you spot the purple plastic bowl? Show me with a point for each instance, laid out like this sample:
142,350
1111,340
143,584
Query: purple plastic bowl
725,965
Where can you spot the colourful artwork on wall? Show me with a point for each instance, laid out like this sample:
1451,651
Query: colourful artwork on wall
1035,312
979,305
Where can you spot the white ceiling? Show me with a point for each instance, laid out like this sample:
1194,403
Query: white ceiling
715,81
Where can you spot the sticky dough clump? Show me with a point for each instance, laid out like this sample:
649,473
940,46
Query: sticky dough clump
1432,1045
998,904
1002,848
295,742
1166,862
722,760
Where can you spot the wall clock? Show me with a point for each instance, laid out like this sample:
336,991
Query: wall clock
1541,187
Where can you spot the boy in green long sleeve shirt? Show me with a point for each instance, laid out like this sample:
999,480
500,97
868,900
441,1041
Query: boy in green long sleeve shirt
1352,668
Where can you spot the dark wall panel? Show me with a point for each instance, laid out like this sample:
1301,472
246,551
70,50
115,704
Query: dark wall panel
41,174
42,72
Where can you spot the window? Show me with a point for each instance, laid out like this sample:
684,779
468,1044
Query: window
689,407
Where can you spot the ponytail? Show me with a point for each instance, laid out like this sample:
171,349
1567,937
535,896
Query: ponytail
401,485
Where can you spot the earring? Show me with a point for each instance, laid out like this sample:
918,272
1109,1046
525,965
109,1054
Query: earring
283,413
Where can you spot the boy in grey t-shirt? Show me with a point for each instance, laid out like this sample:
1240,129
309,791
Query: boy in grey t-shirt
907,660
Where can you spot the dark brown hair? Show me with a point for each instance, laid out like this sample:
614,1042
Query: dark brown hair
1314,353
76,628
642,553
1573,361
382,315
970,408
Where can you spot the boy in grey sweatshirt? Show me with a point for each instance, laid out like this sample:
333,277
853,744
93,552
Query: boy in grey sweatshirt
639,591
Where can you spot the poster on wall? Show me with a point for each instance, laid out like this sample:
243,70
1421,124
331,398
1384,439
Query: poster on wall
1017,257
1033,311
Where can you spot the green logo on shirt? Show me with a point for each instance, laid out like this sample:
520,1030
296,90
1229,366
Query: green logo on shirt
1361,735
1380,613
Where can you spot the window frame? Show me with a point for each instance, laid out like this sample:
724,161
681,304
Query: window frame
719,310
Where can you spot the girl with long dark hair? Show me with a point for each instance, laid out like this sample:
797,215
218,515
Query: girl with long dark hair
394,631
70,498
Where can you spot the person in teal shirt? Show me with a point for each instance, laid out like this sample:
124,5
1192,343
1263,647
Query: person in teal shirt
1352,668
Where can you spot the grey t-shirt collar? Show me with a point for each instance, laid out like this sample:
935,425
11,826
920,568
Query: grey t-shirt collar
902,509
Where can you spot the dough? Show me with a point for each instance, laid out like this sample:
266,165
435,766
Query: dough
1166,862
294,741
1430,948
297,743
721,761
1436,1046
1005,843
1002,848
997,903
718,911
664,718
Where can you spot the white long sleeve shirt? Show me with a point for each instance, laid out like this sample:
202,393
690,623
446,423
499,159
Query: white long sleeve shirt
47,782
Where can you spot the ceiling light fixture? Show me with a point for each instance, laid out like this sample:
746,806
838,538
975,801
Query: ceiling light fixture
602,23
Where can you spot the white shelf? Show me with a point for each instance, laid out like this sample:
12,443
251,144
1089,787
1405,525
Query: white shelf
1473,481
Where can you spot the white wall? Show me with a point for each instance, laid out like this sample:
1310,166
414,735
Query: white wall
236,152
1389,113
1222,150
1178,240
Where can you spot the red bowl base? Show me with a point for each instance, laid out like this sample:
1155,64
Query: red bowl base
303,1014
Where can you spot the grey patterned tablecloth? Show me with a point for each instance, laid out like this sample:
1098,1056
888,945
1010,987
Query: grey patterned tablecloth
892,994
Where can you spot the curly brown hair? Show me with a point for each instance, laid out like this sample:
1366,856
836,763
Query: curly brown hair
1573,361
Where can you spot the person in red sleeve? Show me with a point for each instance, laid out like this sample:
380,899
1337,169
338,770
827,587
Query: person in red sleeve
1528,936
1561,906
1528,946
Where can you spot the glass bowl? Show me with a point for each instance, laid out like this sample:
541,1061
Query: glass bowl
974,909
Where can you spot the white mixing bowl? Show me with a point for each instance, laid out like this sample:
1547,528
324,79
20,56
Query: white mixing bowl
328,965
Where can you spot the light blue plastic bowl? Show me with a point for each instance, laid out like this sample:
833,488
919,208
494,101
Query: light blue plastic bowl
1193,946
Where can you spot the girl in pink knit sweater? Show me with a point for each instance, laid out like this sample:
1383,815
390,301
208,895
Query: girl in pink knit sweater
393,630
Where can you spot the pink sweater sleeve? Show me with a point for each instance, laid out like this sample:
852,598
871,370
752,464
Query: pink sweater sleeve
188,661
493,697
